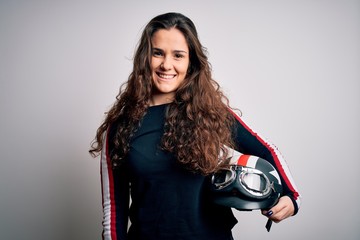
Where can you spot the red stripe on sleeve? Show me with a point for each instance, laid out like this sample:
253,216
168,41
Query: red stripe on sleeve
112,194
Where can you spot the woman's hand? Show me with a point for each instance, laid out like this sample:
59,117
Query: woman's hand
283,209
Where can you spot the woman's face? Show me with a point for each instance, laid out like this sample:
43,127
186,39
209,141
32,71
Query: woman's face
169,64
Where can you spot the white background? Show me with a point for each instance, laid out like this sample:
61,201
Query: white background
291,67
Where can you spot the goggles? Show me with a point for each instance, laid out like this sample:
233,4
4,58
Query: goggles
249,182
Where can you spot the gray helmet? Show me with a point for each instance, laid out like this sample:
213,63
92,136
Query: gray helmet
248,183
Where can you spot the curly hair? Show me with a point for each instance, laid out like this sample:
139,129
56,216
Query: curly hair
198,122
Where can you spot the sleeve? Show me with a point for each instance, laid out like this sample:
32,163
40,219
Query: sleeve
247,141
115,198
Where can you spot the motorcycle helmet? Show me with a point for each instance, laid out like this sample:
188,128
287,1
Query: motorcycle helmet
248,183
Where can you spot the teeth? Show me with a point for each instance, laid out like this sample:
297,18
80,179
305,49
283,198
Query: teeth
165,76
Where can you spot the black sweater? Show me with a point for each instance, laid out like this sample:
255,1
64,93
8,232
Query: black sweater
167,201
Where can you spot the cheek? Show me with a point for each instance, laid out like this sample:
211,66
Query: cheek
154,63
183,69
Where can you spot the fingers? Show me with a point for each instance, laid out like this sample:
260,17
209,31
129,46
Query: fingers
282,210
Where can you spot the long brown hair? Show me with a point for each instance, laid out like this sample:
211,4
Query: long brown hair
198,122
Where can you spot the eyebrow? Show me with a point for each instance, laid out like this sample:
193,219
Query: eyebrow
175,51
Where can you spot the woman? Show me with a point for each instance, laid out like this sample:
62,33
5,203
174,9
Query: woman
163,137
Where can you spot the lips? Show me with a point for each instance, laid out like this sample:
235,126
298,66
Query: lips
165,76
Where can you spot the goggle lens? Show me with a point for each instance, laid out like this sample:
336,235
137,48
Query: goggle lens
254,182
223,178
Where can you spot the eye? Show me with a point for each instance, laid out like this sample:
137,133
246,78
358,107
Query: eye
157,53
178,55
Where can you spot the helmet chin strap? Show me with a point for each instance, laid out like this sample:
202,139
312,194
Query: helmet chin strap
268,225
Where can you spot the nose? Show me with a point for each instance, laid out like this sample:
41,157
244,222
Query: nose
166,64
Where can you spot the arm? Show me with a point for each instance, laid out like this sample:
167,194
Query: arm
249,142
115,198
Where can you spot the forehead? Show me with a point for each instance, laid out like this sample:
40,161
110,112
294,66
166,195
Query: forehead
171,38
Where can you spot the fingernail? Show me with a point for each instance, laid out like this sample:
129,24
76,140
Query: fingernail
269,213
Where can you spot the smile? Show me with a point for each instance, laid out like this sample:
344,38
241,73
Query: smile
165,76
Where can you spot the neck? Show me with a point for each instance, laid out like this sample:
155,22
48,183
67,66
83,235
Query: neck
159,99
